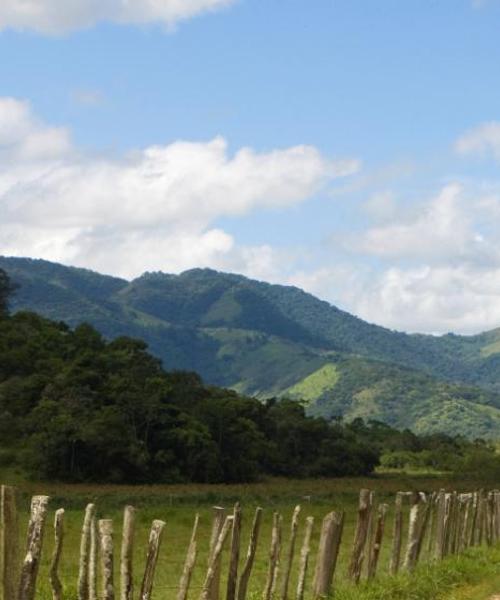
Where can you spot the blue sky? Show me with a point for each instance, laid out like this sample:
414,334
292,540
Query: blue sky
350,147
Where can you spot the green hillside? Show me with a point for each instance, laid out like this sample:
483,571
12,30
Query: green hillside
269,340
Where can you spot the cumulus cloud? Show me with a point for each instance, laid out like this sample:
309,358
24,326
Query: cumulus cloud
61,16
156,208
443,229
431,267
483,141
24,137
434,299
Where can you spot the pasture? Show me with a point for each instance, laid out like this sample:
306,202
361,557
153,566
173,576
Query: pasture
177,505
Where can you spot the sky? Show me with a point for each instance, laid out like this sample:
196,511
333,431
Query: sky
348,147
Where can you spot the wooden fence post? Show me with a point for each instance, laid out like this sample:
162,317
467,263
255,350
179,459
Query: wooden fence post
189,563
455,522
496,512
493,517
360,535
463,541
291,553
9,536
252,548
448,522
326,561
432,511
234,554
154,544
396,536
480,520
413,532
55,582
425,518
274,555
206,593
29,569
127,554
440,525
93,559
489,519
377,540
83,575
304,558
107,562
473,520
217,524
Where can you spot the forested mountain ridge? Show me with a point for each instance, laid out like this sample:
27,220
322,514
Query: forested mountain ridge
271,340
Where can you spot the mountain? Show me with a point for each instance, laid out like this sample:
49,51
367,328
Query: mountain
271,340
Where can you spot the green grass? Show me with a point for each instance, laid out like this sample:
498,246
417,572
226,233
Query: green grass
315,385
490,349
471,576
177,505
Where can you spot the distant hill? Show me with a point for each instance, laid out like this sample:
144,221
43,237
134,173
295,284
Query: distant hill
270,340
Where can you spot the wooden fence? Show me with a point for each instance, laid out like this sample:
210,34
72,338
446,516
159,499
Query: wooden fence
438,524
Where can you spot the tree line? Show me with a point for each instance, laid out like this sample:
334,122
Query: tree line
77,407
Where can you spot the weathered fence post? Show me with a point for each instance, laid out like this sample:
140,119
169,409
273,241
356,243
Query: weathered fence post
432,511
274,555
496,512
396,536
154,544
213,566
126,554
93,559
189,563
377,540
291,553
440,525
481,534
234,554
413,533
304,559
29,569
465,522
326,561
217,524
455,517
427,511
360,535
448,518
252,548
107,563
55,582
83,575
473,520
9,536
489,519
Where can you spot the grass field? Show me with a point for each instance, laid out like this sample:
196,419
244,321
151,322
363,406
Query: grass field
178,504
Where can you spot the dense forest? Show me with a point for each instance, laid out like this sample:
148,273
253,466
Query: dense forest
76,407
267,341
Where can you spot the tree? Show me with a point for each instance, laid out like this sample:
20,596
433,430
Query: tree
6,290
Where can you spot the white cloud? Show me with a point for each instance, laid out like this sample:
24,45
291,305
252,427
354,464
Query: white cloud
432,267
443,229
23,137
483,141
157,208
434,299
61,16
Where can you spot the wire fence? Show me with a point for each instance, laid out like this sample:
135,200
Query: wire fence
424,526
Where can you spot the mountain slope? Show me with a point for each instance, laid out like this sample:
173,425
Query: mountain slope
270,340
